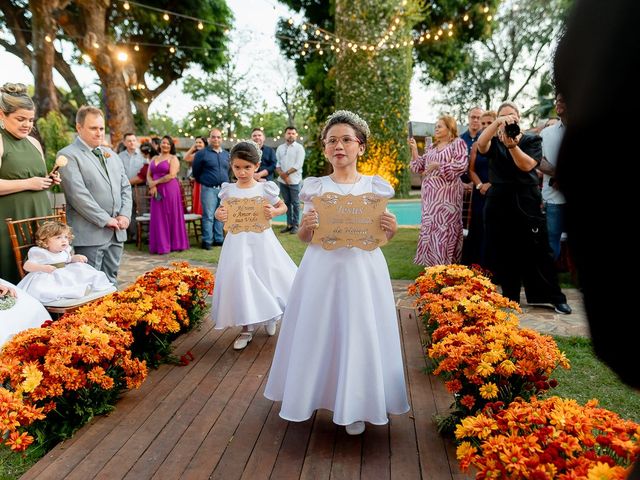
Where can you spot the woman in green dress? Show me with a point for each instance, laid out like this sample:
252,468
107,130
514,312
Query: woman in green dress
23,172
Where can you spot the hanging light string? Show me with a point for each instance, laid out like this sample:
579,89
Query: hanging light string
126,4
319,40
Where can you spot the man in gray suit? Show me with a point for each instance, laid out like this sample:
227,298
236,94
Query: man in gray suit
97,193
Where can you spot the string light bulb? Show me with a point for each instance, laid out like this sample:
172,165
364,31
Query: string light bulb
126,6
165,17
136,48
200,26
48,39
172,49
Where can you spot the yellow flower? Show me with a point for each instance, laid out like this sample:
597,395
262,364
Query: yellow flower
506,368
601,471
465,449
484,369
32,378
489,391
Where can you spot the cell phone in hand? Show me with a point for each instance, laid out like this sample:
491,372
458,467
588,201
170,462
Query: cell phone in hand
410,129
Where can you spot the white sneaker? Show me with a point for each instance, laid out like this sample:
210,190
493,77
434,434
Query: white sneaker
271,328
242,341
355,428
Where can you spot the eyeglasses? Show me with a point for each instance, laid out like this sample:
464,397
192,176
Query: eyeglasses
346,141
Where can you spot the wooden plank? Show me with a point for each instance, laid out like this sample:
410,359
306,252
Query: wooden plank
185,446
317,462
221,435
104,453
347,456
288,466
432,456
189,398
376,453
245,437
443,400
264,454
61,460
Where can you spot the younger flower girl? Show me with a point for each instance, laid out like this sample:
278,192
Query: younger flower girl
56,274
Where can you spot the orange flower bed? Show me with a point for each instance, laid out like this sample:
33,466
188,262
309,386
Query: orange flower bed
57,377
548,439
477,345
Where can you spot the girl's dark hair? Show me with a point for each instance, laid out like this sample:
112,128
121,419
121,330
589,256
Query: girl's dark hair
173,145
147,148
247,150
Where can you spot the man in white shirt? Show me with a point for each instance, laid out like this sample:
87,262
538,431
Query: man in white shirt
289,160
553,199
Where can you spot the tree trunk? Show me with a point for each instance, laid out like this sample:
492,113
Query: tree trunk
142,112
117,100
43,26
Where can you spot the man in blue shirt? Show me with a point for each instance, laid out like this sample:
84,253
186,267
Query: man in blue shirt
268,160
211,170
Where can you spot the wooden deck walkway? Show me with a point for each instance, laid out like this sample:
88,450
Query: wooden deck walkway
209,419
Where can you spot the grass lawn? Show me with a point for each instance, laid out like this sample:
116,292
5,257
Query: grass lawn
589,378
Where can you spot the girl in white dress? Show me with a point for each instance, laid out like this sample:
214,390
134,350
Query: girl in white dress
255,273
18,311
339,346
54,272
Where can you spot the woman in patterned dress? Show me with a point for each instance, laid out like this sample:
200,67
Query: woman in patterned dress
440,239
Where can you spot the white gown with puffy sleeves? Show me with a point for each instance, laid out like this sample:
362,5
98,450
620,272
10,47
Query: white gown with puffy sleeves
339,345
255,273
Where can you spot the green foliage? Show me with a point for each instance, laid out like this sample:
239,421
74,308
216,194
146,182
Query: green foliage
507,64
225,100
441,60
272,123
376,84
315,163
590,378
160,124
55,133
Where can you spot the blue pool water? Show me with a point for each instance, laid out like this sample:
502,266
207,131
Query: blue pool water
407,212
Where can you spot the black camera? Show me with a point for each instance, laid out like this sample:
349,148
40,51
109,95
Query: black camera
512,130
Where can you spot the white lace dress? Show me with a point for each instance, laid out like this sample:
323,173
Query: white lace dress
26,313
255,273
71,280
339,345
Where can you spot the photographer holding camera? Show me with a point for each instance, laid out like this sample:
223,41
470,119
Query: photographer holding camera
516,242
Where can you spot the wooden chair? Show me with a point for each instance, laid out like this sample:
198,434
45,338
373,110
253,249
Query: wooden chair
143,212
466,211
23,237
192,220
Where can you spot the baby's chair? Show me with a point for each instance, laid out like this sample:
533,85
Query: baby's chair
23,237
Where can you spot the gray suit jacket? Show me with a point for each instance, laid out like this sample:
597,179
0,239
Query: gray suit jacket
92,196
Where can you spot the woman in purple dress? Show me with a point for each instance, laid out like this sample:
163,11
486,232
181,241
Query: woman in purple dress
167,230
440,240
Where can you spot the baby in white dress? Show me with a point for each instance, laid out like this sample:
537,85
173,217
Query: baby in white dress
54,272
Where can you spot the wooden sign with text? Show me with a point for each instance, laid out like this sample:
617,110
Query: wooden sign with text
245,215
349,221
